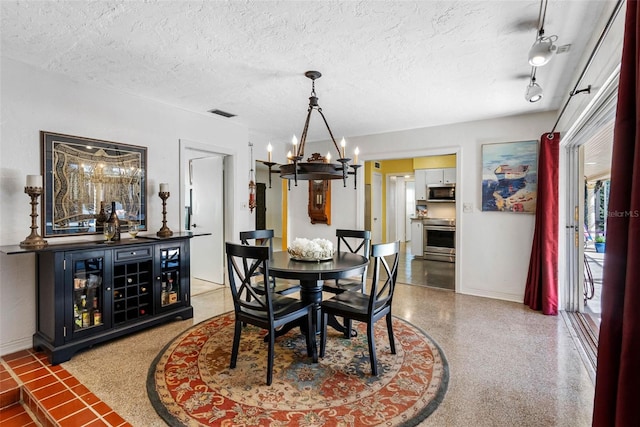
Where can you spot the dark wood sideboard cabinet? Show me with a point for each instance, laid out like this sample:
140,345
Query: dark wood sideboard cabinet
93,292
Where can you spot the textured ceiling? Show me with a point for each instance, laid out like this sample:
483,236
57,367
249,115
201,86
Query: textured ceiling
387,65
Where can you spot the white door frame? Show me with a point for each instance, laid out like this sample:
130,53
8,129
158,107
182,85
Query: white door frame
228,201
571,207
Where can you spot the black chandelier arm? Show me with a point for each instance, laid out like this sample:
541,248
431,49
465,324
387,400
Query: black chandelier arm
355,176
335,144
303,137
345,167
270,165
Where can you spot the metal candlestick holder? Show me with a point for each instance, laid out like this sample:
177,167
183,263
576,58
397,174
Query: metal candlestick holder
34,240
164,231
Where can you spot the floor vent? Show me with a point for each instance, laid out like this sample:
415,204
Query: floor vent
221,113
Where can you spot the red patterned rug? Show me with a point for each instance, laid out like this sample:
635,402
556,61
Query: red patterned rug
190,383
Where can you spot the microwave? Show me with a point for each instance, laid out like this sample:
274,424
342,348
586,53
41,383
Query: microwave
441,193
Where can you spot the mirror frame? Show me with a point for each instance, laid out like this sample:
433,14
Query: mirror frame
71,201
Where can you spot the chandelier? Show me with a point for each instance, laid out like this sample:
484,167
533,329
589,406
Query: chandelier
316,167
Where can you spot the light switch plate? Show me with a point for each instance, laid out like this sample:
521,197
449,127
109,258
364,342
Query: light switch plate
467,207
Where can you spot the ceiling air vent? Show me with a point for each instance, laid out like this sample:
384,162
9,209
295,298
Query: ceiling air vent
221,113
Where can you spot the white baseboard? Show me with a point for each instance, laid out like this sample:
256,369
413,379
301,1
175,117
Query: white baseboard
15,346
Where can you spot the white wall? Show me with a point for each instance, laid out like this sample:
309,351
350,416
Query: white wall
34,100
493,248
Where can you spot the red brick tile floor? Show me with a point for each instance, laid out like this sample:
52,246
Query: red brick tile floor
35,393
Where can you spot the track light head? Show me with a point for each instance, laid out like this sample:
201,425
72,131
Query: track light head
542,50
533,92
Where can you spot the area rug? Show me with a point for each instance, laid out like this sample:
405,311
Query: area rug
190,383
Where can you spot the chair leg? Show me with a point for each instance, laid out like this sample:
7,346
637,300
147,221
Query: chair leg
236,344
372,349
312,349
347,328
272,344
323,333
392,342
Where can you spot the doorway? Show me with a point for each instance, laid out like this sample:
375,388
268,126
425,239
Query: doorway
205,182
588,147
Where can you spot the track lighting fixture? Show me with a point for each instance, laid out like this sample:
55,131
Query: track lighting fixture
542,50
533,92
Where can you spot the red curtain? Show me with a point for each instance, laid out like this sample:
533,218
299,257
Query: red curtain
541,291
618,373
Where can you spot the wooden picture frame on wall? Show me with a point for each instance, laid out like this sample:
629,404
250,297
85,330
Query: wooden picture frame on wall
319,207
83,176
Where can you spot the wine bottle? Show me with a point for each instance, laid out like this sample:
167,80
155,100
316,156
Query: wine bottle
113,219
101,217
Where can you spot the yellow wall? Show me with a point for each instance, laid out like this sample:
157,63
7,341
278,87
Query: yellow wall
435,162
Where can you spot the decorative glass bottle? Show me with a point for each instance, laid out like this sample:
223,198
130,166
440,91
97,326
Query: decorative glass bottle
113,219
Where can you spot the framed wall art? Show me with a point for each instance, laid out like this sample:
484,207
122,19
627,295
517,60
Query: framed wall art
510,176
83,176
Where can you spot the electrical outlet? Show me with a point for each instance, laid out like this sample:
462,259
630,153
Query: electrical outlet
467,207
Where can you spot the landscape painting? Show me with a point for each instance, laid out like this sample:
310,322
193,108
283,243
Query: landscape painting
510,176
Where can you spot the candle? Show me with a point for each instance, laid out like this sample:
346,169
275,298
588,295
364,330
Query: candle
356,152
34,181
164,188
343,144
328,157
269,149
294,141
289,156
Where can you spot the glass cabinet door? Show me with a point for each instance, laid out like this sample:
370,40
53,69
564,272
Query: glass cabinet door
87,281
170,276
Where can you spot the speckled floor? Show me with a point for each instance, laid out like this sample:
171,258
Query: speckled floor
510,366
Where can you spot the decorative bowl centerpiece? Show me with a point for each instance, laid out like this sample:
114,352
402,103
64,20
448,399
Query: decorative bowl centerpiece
311,250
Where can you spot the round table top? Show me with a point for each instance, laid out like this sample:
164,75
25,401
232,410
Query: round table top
342,264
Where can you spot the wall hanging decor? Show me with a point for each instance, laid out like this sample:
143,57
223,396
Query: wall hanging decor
510,176
83,176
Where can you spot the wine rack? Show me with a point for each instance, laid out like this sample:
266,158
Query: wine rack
132,291
89,293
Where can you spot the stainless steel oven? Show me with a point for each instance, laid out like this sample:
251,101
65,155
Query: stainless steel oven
440,239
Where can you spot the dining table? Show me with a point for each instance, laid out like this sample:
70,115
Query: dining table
311,276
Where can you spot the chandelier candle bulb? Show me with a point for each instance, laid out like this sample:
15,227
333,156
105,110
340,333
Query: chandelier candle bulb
269,150
34,181
343,144
294,141
289,157
328,157
356,152
164,188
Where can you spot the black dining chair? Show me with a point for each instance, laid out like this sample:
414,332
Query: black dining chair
361,307
265,238
267,310
354,241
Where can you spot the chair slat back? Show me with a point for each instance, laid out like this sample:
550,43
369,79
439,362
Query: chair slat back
356,241
243,262
385,256
260,237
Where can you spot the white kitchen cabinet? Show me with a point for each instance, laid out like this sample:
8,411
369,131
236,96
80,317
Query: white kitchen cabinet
417,248
433,176
449,175
440,176
420,184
